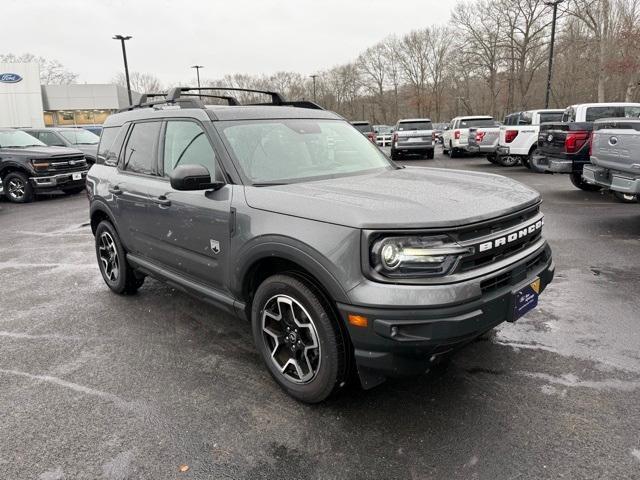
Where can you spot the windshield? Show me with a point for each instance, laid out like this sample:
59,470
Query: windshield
478,122
80,136
407,126
287,150
18,139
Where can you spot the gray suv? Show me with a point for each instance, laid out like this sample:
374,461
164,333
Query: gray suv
283,214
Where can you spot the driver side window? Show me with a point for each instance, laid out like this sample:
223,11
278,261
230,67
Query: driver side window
186,143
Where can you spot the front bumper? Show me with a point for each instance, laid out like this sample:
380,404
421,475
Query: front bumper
407,341
70,179
611,179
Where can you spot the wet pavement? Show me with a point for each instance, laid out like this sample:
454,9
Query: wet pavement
93,385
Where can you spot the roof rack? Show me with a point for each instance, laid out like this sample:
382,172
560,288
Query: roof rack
175,96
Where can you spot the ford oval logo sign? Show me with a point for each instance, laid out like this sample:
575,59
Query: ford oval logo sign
10,78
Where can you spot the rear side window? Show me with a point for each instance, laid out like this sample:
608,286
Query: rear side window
139,154
110,145
406,126
50,139
363,127
186,143
569,115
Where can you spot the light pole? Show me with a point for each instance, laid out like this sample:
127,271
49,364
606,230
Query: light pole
198,67
314,86
122,39
553,4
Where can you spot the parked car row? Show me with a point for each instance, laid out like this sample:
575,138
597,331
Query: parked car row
38,160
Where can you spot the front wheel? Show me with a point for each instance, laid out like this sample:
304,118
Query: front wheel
112,260
17,188
578,182
298,338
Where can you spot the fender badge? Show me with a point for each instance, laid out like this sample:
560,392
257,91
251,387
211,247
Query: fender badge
215,246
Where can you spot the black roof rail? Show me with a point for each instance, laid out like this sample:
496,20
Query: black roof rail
174,93
175,96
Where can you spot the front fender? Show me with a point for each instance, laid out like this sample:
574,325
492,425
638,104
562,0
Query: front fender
293,250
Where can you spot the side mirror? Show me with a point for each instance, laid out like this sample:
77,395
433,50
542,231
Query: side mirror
193,177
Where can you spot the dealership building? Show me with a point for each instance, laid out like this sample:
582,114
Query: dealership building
24,102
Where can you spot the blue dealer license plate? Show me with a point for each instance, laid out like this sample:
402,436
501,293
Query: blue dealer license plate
526,299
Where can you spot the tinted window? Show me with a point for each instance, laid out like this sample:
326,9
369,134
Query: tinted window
50,139
478,122
594,113
139,154
186,143
551,117
363,127
405,126
110,145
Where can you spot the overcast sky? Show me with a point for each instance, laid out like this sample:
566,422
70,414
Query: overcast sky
230,36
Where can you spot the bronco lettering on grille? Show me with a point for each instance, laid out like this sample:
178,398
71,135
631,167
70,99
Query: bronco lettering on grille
512,237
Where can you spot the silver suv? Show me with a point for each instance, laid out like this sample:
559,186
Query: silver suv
413,136
284,215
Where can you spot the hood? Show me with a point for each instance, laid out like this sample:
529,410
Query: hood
411,197
89,150
40,152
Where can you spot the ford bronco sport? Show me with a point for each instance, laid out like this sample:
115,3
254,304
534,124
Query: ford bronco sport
284,214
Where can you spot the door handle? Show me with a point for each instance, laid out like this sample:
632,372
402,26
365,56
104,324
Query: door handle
115,190
162,200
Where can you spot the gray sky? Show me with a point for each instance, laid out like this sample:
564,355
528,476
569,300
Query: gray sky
230,36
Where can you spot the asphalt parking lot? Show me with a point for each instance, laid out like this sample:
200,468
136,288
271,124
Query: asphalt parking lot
93,385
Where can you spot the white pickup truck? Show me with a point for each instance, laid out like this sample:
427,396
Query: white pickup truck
455,139
519,136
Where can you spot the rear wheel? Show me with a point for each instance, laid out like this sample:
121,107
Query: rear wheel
578,182
453,153
394,155
532,165
298,337
508,161
17,188
430,155
112,260
625,197
492,159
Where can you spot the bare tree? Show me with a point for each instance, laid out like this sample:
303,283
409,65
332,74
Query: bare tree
140,82
52,72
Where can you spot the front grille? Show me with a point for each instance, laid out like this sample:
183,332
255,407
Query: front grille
488,232
67,164
516,275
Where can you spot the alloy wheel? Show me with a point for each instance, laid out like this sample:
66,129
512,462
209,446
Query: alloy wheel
291,338
108,256
16,188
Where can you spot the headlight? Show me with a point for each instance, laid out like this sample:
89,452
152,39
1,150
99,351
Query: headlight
416,256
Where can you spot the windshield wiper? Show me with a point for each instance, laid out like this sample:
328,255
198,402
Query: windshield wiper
86,143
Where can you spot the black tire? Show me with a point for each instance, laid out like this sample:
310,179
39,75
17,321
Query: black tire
430,155
532,166
326,367
453,153
578,182
394,155
73,190
526,162
625,197
492,159
123,279
17,188
508,161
